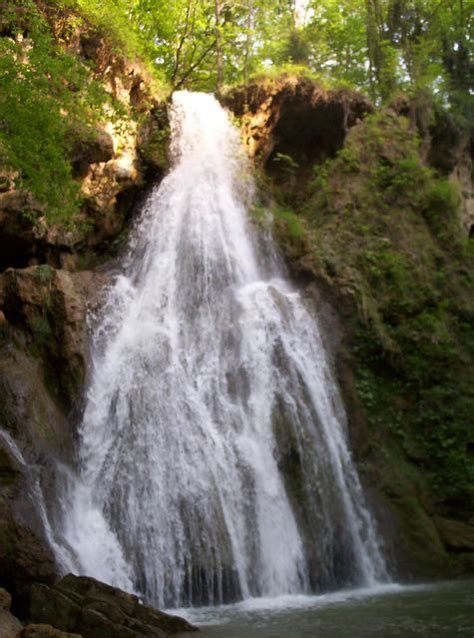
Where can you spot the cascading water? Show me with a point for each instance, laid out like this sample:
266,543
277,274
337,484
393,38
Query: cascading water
213,458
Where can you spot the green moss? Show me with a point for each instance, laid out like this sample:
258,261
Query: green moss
292,222
381,229
44,272
42,331
154,148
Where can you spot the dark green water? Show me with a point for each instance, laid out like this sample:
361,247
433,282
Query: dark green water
443,610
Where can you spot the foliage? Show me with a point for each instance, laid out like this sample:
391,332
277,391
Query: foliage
46,98
292,221
378,45
383,233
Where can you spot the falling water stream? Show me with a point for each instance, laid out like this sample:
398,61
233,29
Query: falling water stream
213,459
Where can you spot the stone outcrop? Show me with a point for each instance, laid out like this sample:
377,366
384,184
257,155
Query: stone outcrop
114,160
294,117
451,153
49,307
10,627
43,355
95,610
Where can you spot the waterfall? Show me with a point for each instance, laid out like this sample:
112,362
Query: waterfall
213,456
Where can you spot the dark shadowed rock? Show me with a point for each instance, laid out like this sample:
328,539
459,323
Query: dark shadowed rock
294,117
84,605
92,150
19,238
5,599
24,554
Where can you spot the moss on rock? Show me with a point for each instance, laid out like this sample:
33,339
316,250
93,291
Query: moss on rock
381,236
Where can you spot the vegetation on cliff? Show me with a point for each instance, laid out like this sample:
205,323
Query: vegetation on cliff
60,73
379,229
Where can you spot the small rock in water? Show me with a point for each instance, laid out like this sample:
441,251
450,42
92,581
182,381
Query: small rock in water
95,610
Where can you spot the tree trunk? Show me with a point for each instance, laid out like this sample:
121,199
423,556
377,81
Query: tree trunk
219,59
248,41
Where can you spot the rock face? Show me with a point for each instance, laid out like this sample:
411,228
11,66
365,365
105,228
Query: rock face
25,555
95,610
451,152
43,354
294,117
363,245
111,159
49,308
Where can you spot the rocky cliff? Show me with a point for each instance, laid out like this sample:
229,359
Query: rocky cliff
373,212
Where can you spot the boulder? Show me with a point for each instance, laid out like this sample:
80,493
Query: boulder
45,631
5,599
10,626
86,606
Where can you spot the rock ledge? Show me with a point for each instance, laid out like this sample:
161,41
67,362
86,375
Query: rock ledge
95,610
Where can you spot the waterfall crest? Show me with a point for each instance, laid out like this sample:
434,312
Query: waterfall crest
213,458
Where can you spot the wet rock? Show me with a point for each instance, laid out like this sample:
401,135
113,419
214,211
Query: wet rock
49,306
24,553
9,473
5,599
25,556
45,631
43,349
29,412
10,626
96,610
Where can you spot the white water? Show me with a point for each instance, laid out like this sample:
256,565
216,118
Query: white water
214,464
